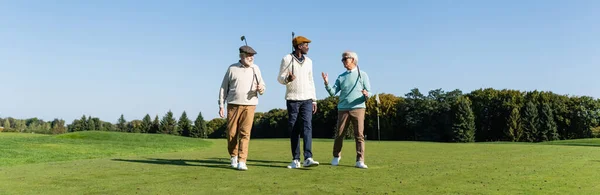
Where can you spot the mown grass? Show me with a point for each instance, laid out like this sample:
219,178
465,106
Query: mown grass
394,168
594,142
20,148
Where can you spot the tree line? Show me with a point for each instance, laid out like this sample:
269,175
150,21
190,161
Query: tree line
452,116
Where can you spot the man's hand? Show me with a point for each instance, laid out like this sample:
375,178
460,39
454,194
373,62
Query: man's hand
325,79
291,77
314,108
365,93
221,112
260,89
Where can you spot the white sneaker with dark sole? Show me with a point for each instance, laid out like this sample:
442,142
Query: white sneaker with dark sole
309,162
242,166
294,164
234,162
361,164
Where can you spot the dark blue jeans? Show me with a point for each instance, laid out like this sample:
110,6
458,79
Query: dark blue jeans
303,110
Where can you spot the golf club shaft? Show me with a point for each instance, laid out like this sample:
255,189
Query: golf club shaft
293,35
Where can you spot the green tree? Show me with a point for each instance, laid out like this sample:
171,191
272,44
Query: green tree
463,121
168,124
122,124
58,126
98,123
515,131
273,124
200,128
155,125
135,126
84,123
20,125
146,124
107,126
6,125
324,121
548,129
418,118
91,125
530,122
216,128
184,125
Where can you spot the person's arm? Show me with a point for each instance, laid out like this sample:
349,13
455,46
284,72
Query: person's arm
313,89
261,86
224,89
283,73
366,83
335,89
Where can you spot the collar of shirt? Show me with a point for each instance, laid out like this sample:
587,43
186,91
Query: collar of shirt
301,59
242,65
352,70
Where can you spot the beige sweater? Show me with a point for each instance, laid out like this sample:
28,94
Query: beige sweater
303,87
239,85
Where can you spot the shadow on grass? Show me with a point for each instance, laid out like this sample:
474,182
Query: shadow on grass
260,163
181,162
253,161
210,163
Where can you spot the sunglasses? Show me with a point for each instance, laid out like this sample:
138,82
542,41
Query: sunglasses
345,58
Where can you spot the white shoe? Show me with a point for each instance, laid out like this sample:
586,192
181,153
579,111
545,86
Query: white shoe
336,161
294,165
242,166
361,164
234,162
309,162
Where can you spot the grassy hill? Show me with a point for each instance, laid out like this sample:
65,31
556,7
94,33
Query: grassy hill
166,166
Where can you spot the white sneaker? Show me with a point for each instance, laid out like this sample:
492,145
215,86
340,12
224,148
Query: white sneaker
361,164
234,162
336,161
294,165
242,166
309,162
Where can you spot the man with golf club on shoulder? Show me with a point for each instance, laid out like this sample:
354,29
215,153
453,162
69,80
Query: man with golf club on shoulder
296,73
239,90
353,86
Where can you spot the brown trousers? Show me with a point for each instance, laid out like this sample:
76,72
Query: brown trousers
357,118
239,125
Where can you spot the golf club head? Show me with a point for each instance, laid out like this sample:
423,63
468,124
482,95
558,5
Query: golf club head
243,38
293,34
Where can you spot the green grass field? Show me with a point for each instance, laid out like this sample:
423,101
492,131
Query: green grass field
121,163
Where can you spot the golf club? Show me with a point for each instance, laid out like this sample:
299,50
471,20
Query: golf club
293,34
293,39
360,78
243,38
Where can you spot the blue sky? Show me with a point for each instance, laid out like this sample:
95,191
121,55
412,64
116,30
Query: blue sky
64,59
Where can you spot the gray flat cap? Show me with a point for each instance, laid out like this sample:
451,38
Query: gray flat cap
247,49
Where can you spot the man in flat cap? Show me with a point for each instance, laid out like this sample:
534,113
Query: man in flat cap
296,73
353,87
239,90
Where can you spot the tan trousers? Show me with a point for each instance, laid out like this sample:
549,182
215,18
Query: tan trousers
239,124
356,118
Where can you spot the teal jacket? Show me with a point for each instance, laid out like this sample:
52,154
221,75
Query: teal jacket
350,87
